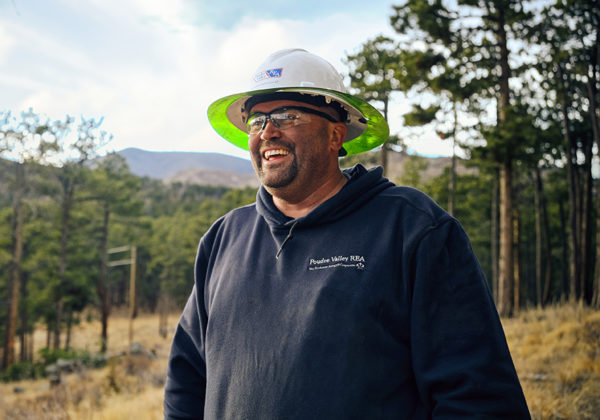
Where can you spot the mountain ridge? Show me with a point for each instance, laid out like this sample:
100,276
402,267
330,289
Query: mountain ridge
168,163
223,170
204,168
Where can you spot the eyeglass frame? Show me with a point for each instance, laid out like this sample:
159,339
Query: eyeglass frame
285,108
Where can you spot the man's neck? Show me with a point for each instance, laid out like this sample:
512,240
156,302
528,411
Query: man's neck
298,206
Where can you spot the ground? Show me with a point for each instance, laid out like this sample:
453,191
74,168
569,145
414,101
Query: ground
556,352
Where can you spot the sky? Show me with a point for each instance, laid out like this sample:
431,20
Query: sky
151,68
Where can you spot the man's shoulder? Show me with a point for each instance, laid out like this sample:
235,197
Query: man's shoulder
412,200
242,211
238,215
230,222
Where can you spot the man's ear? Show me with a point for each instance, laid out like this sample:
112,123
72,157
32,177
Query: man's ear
338,134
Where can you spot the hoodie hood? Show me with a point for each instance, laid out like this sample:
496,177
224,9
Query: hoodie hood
362,185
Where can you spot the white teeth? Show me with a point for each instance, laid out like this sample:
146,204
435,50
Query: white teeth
270,153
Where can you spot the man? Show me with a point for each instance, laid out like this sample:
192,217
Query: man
337,295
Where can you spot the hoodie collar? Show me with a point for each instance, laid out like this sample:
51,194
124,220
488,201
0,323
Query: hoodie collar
362,185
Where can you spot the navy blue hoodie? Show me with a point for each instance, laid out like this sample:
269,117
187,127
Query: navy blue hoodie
372,306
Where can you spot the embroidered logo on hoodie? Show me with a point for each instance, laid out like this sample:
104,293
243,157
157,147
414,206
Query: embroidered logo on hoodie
350,261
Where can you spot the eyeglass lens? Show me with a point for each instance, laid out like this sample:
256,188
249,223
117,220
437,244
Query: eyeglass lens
283,118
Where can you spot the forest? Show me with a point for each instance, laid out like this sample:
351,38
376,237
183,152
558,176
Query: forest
512,85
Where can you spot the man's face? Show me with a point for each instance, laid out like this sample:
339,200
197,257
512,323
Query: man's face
297,156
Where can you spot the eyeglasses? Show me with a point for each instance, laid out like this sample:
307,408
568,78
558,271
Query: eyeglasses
283,118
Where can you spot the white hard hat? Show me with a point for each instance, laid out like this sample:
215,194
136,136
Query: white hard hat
299,73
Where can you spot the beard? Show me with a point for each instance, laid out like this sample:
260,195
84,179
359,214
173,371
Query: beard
280,176
305,153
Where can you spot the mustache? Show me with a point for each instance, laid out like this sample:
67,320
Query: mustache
256,153
266,144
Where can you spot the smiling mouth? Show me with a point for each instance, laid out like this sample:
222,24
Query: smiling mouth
275,153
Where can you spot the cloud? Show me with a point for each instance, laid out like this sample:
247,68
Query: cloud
7,43
151,68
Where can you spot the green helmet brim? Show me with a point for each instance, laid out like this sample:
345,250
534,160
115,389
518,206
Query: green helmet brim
373,128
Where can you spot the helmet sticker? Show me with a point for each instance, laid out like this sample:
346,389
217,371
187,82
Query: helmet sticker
268,74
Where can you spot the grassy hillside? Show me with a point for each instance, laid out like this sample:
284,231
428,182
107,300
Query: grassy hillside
556,352
557,355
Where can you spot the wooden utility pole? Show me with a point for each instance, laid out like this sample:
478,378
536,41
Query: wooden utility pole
132,294
131,262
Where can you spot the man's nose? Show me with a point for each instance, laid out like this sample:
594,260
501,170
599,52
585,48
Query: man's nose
269,131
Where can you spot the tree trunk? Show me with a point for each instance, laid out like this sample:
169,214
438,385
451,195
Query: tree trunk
30,348
564,290
102,286
592,83
58,308
163,313
23,340
585,218
8,357
48,333
69,326
24,319
506,263
596,282
573,208
495,235
29,351
538,237
546,235
517,263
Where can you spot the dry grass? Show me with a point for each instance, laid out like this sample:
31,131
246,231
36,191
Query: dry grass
130,387
557,355
556,351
